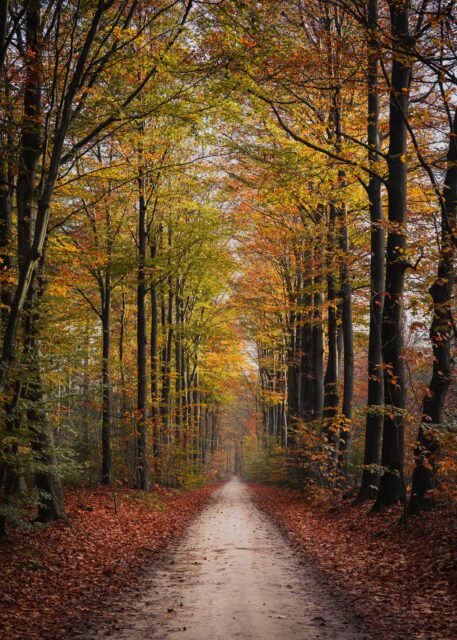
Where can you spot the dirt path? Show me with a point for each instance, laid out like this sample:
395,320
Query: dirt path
233,576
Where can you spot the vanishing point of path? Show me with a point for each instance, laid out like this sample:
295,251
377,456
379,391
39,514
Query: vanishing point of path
233,576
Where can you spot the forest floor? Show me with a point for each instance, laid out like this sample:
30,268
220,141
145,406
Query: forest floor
57,577
232,576
226,572
401,581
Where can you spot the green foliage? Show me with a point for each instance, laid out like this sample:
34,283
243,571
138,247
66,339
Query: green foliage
265,461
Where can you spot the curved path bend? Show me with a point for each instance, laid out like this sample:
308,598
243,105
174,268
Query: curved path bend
233,576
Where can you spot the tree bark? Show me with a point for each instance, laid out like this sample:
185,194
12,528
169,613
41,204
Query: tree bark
106,386
155,362
51,501
391,486
142,479
51,504
348,335
318,330
331,393
441,334
374,419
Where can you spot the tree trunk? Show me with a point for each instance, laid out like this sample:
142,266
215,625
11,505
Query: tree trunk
155,364
142,480
441,333
30,288
293,371
391,486
6,197
318,329
178,367
6,208
122,328
331,394
30,135
167,358
348,335
51,504
374,420
106,387
307,336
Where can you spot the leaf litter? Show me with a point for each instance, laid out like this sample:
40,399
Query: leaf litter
59,577
401,581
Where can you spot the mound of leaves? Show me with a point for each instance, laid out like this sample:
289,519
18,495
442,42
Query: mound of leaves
401,580
58,577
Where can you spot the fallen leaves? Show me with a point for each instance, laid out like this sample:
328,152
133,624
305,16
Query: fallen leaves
56,578
402,582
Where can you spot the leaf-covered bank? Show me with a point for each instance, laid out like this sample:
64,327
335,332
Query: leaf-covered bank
402,581
62,575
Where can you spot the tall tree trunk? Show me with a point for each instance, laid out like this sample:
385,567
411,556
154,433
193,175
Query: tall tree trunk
142,479
391,486
348,334
51,499
6,196
125,408
318,329
6,207
4,7
167,358
178,367
30,135
122,328
441,333
85,414
306,330
106,386
374,419
51,504
155,363
293,371
331,394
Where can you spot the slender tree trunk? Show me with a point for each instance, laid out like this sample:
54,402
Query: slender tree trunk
155,369
4,6
6,210
85,413
339,338
331,394
441,334
142,479
122,327
179,367
155,362
318,329
374,420
106,387
6,196
292,365
167,359
306,330
391,486
51,504
299,347
348,334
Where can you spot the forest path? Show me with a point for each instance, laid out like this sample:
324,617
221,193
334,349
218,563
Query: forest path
233,576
